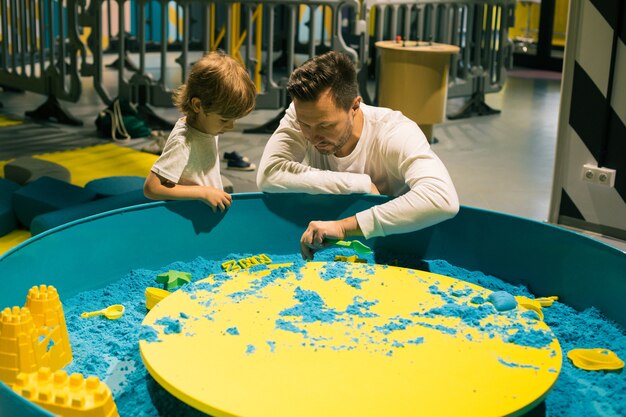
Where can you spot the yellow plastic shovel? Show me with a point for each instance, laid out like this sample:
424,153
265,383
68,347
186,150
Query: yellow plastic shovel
113,312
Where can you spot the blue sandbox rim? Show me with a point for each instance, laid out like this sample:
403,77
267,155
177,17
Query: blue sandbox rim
548,259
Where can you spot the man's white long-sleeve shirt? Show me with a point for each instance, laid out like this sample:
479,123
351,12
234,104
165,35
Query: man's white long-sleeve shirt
392,153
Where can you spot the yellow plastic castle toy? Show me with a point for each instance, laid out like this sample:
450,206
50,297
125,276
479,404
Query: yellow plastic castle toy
67,395
34,336
34,346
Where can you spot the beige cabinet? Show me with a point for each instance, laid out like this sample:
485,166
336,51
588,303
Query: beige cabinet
414,79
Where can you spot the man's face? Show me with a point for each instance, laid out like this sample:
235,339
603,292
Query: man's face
327,127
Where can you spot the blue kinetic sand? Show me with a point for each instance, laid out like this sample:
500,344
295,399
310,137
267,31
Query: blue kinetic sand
502,300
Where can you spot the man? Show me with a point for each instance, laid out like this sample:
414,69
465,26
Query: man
329,142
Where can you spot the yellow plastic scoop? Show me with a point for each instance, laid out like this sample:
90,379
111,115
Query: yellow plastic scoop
113,312
596,359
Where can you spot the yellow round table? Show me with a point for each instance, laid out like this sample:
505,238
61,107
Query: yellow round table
342,339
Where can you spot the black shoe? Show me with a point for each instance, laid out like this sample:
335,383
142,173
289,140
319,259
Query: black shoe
235,156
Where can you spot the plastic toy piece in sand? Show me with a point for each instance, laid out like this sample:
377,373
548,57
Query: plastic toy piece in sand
113,312
355,245
67,395
547,301
45,306
34,335
353,258
154,295
596,359
173,279
530,304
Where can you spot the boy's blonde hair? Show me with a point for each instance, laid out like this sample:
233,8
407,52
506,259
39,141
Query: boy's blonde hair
221,83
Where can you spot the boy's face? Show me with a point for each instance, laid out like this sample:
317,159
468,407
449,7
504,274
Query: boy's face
327,127
211,123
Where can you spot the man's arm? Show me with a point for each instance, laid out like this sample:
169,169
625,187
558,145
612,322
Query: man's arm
282,168
431,198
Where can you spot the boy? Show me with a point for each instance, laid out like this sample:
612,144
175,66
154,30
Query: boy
218,91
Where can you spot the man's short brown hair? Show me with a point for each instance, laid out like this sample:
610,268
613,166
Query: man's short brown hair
332,70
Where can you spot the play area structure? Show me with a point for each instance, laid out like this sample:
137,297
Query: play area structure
54,48
138,52
44,191
395,319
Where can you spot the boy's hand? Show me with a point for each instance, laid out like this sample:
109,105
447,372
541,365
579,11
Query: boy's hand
216,199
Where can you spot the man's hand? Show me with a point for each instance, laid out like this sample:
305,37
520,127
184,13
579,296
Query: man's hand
316,236
374,190
216,199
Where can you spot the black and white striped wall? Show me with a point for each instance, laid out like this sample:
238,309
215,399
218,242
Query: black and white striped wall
592,121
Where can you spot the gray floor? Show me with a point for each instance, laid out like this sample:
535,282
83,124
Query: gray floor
502,162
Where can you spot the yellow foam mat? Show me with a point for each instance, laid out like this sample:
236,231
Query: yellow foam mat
6,121
86,164
13,239
322,342
99,161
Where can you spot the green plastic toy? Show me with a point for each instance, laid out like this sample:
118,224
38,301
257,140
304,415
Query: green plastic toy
355,245
173,279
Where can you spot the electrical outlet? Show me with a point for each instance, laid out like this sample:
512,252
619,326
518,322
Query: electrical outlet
602,176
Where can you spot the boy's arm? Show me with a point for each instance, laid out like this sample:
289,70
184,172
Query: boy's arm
159,188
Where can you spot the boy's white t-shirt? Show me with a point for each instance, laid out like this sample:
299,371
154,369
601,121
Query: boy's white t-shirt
190,157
